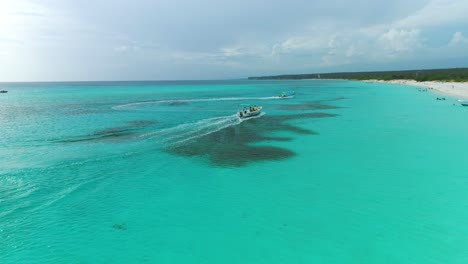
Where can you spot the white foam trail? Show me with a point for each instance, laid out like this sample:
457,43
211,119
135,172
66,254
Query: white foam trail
201,127
222,126
192,128
57,196
130,105
189,131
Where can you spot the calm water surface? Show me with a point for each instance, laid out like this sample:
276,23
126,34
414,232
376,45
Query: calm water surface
165,172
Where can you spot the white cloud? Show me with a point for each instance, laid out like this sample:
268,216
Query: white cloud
20,19
129,47
458,39
232,51
122,48
246,49
302,43
398,41
351,51
332,46
436,12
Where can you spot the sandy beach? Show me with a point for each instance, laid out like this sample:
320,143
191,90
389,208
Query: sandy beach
456,89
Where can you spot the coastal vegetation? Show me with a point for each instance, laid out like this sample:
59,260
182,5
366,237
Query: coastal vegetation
455,74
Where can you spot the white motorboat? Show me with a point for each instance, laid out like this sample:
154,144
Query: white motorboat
463,102
249,110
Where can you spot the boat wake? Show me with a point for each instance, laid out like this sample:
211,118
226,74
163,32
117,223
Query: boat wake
184,101
183,133
24,195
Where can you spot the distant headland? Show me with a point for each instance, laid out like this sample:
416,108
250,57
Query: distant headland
452,75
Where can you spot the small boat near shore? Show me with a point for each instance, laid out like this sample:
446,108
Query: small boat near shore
249,111
3,91
463,102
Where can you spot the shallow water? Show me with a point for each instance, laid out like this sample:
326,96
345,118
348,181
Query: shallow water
165,172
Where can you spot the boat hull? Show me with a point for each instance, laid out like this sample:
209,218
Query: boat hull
248,113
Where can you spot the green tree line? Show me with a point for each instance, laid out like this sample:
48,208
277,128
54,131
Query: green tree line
456,75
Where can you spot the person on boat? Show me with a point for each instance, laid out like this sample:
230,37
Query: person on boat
255,108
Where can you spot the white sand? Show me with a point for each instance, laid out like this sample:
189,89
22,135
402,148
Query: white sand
456,89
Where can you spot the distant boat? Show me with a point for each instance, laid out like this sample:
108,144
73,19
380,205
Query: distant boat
249,110
287,95
3,91
463,102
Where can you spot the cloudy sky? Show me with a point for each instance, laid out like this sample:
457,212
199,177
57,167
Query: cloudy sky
56,40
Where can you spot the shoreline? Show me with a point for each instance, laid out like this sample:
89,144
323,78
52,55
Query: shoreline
455,89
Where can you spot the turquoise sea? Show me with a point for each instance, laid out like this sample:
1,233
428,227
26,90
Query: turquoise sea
164,172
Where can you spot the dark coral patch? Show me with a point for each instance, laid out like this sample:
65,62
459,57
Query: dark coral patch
233,146
120,226
86,108
307,106
141,123
113,133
